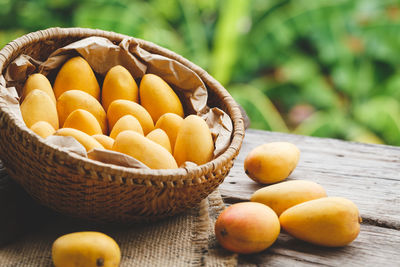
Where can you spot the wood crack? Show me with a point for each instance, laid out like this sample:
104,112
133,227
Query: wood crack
348,175
229,200
305,260
380,223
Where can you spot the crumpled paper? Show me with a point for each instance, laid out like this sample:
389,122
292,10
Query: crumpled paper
102,55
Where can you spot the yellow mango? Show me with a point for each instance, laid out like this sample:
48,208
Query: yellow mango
74,99
38,81
43,129
146,151
272,162
118,84
121,107
158,98
106,141
89,249
170,123
194,141
160,137
247,227
76,74
127,122
38,106
328,221
84,121
282,196
86,140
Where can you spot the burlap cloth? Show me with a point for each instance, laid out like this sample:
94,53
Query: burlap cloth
184,240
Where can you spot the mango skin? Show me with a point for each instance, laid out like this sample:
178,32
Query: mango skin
43,129
38,81
76,74
85,249
282,196
86,140
329,221
271,162
106,141
127,122
38,106
84,121
118,84
122,107
194,141
160,137
148,152
158,98
247,227
74,99
170,123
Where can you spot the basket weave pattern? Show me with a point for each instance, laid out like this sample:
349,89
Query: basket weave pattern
80,187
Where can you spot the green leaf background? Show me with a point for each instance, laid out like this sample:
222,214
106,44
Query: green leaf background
326,68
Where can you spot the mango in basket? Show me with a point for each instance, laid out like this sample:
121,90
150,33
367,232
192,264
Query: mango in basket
127,122
247,227
328,221
282,196
158,98
43,129
38,106
38,81
161,138
89,249
74,99
170,123
76,74
84,121
194,141
104,140
148,152
272,162
118,84
121,107
86,140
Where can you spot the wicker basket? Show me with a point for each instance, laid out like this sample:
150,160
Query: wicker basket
87,189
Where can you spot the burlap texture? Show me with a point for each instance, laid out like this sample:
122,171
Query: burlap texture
184,240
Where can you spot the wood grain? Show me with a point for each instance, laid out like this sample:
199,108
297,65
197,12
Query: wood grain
369,175
374,246
366,174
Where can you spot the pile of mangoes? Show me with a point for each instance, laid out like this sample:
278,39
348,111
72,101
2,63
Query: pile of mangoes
148,123
302,208
145,122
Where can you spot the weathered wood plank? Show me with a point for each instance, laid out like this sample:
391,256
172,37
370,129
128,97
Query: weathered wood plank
373,247
366,174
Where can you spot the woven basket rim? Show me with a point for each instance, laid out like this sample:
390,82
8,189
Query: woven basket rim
152,176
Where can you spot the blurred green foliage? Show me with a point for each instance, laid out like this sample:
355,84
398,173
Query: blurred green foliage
326,68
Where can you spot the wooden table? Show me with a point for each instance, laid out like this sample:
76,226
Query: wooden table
369,175
366,174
